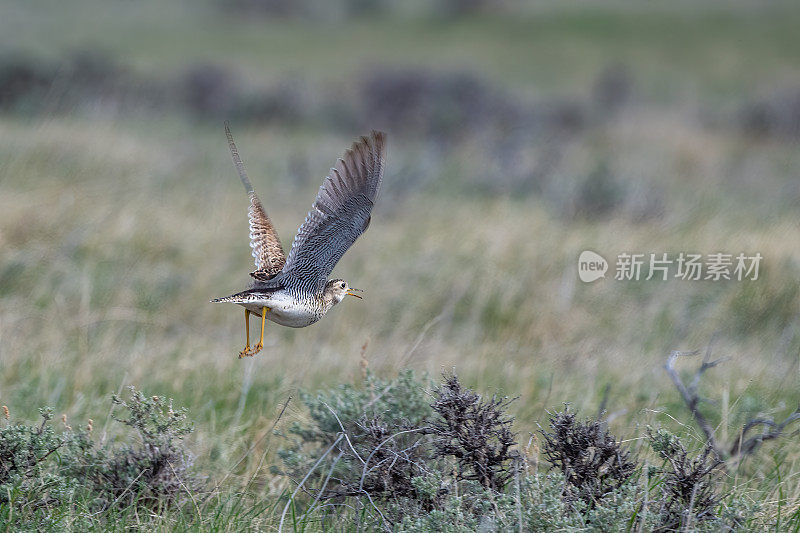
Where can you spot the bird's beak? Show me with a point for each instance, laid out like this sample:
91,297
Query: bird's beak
350,292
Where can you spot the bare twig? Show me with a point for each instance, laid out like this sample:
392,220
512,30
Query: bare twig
742,445
124,492
324,485
690,396
365,470
183,485
308,474
517,467
344,433
383,518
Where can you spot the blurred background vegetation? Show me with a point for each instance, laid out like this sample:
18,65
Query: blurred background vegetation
520,134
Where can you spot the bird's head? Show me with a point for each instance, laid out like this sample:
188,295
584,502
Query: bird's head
337,289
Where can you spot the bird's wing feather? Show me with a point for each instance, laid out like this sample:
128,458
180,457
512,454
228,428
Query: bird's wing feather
340,213
267,249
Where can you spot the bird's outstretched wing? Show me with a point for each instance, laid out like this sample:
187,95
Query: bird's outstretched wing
339,215
264,240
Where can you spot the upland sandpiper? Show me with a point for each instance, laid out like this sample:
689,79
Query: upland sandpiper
295,291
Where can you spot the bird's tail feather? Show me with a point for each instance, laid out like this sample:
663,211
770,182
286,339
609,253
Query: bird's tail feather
233,298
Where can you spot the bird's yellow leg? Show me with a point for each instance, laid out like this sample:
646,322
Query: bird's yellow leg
246,350
257,347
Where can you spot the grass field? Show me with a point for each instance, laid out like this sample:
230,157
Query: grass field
117,227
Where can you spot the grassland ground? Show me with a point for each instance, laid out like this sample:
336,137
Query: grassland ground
117,227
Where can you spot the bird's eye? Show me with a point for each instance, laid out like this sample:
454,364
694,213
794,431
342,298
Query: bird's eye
343,284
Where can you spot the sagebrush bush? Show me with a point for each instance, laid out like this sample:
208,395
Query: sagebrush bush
49,476
389,443
371,436
28,454
401,454
409,456
475,432
153,472
587,454
688,492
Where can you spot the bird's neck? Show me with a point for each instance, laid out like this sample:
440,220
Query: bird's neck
327,301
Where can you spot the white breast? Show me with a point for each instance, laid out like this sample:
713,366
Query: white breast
285,310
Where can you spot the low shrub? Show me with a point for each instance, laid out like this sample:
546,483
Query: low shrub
405,455
48,477
688,494
590,458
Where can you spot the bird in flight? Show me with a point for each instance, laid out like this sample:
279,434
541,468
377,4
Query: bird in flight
295,291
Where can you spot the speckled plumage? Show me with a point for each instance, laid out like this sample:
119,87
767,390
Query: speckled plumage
339,215
295,290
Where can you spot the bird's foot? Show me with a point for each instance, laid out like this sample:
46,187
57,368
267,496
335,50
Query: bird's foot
250,352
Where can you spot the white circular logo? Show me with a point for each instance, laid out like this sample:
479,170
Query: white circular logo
591,266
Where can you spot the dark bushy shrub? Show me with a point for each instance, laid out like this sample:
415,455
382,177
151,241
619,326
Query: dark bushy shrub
408,456
474,431
688,495
590,458
387,443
